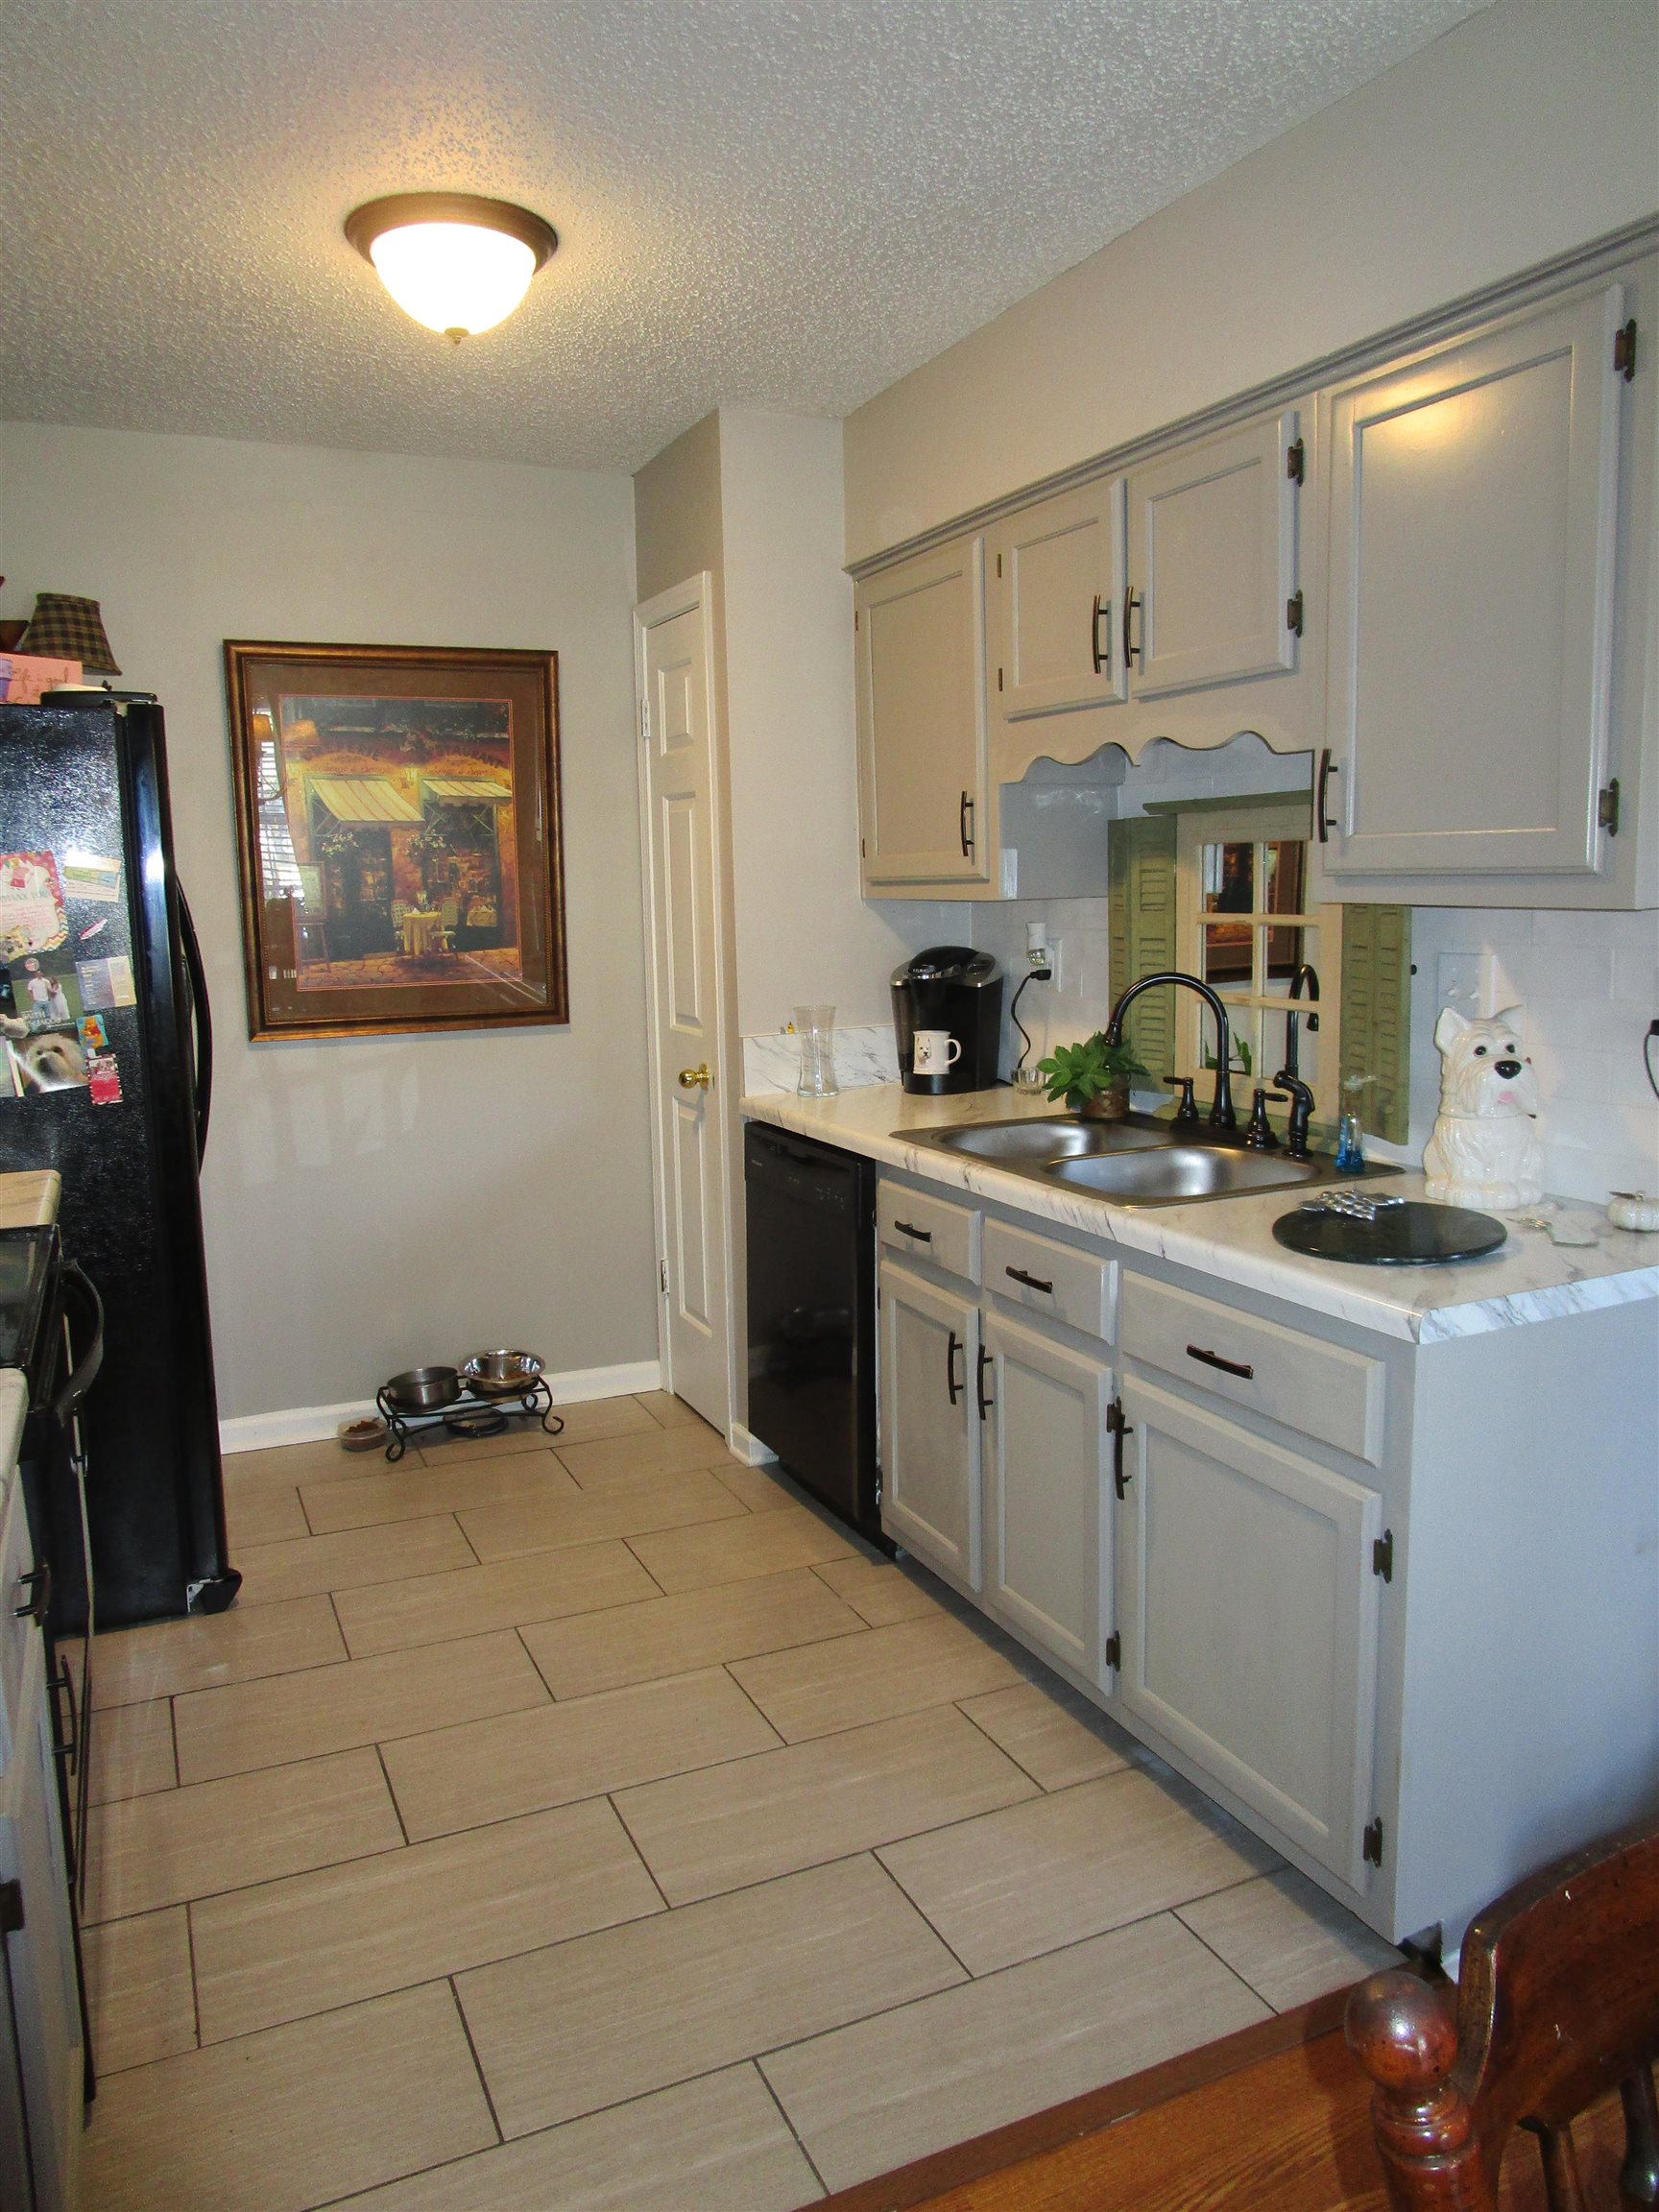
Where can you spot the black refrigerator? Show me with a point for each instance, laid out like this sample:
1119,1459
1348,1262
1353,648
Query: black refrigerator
106,1078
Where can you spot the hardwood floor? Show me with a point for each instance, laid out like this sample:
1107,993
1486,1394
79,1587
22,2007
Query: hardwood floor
1276,2116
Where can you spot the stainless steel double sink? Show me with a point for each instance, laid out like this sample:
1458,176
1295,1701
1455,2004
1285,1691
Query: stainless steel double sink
1136,1161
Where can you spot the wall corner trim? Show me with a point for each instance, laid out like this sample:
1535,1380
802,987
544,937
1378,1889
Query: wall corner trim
316,1424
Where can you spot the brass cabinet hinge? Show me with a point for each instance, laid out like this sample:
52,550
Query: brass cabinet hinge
1608,809
1383,1555
1115,1650
1371,1843
1625,351
1294,614
1296,461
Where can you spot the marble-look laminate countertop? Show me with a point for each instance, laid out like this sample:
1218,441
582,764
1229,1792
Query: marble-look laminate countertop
28,1201
1528,1279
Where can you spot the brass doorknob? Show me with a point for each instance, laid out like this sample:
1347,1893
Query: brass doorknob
695,1078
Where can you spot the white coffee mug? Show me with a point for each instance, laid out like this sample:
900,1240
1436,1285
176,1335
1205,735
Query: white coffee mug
936,1049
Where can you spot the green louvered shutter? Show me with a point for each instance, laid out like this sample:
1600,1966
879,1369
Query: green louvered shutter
1140,910
1377,1013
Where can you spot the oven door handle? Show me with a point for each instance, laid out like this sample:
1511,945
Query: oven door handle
80,1290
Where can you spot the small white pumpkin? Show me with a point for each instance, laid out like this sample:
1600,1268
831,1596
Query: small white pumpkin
1633,1209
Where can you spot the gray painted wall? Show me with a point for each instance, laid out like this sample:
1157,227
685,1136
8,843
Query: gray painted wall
372,1202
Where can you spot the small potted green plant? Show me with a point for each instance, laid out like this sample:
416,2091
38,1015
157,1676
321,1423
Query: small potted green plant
1092,1077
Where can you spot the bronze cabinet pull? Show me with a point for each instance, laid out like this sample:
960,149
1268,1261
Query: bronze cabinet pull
922,1235
1031,1282
1227,1366
953,1345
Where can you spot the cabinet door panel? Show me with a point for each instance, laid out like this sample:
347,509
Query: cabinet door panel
929,1423
1472,538
1249,1619
1056,593
1050,1553
1212,558
920,663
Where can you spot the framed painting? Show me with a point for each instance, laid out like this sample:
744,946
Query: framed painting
398,827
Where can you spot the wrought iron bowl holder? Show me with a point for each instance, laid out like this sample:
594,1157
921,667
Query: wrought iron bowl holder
402,1422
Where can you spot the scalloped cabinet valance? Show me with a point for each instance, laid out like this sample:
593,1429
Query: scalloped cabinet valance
1432,575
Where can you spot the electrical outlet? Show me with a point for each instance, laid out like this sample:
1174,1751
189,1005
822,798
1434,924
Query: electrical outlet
1469,982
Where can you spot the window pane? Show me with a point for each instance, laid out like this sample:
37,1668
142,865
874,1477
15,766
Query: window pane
1287,873
1227,952
1283,954
1228,876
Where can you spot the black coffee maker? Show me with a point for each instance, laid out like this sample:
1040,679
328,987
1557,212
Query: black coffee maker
954,988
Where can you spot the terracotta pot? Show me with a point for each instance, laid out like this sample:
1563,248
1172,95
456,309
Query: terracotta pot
1107,1105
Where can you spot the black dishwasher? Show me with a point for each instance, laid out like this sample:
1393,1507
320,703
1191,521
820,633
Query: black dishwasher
812,1319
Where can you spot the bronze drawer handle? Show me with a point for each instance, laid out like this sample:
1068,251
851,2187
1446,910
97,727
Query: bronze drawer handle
1031,1282
923,1235
1227,1366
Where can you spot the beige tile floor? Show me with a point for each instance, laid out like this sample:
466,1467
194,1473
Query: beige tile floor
558,1829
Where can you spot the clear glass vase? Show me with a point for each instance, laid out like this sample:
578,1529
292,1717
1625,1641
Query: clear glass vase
815,1034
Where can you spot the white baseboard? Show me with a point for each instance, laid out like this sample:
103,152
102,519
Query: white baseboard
316,1424
750,1449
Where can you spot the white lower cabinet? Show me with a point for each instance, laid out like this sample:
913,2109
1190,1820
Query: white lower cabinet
930,1423
1248,1610
1049,1551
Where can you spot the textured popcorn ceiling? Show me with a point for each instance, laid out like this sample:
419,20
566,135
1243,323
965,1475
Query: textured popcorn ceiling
776,204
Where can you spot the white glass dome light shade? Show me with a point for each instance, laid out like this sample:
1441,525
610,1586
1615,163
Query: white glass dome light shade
454,277
456,264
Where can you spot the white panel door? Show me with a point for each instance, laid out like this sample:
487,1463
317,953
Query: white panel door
930,1423
1212,560
681,830
1248,1608
924,782
1048,1540
1473,505
1055,586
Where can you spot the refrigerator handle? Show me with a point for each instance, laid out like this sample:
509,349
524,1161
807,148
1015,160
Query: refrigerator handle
201,1024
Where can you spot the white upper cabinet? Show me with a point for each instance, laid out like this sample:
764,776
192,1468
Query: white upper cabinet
1212,560
1056,606
1472,542
923,781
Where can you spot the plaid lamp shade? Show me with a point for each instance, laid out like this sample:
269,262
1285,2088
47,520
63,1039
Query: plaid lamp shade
65,629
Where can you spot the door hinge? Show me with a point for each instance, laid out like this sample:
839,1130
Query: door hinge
645,721
1383,1555
1294,614
1625,351
1296,461
1608,809
1115,1651
1371,1842
663,1276
11,1908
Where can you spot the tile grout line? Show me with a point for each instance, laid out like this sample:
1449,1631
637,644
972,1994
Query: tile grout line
628,1547
393,1794
1035,1780
875,1852
173,1739
477,2063
634,1844
1260,1996
517,1633
783,2115
195,1983
782,1744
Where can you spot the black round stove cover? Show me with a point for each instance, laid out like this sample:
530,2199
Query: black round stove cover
1412,1234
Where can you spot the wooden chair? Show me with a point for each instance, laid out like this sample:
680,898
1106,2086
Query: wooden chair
1558,2003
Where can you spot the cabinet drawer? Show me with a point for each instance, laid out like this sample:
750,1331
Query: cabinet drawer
16,1634
1077,1287
929,1229
1323,1390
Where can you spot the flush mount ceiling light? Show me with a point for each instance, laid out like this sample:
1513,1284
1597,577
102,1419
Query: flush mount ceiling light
454,262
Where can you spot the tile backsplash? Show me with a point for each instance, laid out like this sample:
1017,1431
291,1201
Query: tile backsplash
864,1054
